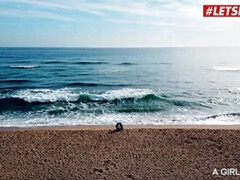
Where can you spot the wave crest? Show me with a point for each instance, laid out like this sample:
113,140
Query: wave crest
71,95
142,100
231,69
24,67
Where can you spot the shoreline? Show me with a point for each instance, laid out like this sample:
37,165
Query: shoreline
112,127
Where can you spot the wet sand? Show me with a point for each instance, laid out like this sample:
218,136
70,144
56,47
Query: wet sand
138,152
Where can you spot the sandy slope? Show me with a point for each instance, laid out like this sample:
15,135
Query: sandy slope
149,153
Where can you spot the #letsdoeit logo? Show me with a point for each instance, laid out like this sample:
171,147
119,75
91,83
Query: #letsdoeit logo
226,172
221,10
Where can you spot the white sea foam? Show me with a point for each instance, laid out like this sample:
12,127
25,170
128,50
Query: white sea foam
72,119
231,69
126,93
220,120
235,90
42,117
72,95
24,67
46,95
85,119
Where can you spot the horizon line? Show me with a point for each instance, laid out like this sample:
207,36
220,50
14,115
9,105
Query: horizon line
118,47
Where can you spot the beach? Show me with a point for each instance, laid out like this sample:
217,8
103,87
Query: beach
137,152
118,90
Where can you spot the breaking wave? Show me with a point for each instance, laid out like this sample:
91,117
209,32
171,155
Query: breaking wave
24,67
132,100
231,69
220,119
223,115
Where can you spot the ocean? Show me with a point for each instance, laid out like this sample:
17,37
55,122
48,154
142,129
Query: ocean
102,86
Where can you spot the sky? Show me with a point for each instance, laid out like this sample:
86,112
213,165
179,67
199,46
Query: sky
114,23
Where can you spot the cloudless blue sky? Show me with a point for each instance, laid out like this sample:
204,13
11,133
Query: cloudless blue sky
113,23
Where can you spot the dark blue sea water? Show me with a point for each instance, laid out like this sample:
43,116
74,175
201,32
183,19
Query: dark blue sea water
72,86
